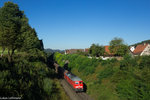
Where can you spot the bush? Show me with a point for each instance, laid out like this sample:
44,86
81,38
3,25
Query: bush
3,78
88,70
107,72
144,62
133,89
47,86
128,63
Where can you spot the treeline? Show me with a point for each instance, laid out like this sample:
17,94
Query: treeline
117,47
127,79
146,41
24,71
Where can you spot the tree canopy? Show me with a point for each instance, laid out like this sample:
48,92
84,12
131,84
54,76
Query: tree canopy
15,32
96,50
118,47
10,25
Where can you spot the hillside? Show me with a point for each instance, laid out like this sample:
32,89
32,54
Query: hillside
145,41
53,50
127,79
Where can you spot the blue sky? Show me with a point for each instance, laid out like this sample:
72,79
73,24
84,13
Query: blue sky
66,24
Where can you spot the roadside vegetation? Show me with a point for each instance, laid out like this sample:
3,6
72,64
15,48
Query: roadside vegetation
24,67
126,79
29,78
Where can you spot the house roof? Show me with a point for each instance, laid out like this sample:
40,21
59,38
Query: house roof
71,51
107,49
139,48
86,49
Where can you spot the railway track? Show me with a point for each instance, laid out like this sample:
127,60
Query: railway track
83,96
68,89
72,94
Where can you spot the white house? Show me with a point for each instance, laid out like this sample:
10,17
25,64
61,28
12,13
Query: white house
142,49
132,48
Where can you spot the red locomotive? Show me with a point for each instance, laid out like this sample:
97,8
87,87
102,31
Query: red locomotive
74,81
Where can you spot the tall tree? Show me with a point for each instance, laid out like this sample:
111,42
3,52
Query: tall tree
31,40
96,50
10,25
118,47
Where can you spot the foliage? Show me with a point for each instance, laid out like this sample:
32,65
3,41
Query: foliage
142,42
127,63
132,89
96,50
10,26
117,47
15,32
30,39
48,84
144,62
28,78
28,75
127,79
107,72
82,63
82,53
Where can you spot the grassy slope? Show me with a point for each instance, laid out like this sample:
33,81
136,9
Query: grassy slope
99,91
112,80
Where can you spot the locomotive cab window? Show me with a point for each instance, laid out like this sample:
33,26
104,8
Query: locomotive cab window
81,82
76,82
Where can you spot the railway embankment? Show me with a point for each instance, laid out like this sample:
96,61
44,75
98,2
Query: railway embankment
67,87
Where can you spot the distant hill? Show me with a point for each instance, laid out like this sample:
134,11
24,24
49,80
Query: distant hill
53,50
145,41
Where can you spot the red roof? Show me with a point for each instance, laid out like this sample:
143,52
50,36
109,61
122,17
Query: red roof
107,49
86,50
139,48
71,51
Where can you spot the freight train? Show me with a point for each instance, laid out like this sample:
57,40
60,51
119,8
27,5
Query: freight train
74,81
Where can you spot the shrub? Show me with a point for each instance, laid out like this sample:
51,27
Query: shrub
88,70
144,62
107,72
127,63
133,89
3,78
47,86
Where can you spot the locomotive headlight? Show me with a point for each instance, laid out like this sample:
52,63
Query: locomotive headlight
77,86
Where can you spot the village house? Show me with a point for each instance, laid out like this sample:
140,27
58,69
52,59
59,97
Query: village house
107,52
72,51
141,49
